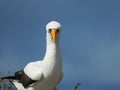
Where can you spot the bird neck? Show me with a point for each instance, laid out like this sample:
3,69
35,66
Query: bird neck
52,50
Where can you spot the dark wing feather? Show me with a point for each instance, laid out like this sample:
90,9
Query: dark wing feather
22,78
17,76
25,80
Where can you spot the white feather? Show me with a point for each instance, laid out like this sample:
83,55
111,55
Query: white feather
34,70
18,85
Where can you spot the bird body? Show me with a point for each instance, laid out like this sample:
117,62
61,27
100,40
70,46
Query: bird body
47,73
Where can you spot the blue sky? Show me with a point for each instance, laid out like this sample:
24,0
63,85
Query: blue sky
90,39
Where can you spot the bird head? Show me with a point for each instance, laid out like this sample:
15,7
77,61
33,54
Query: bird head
53,29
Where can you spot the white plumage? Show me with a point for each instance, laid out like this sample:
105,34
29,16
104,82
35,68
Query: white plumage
47,72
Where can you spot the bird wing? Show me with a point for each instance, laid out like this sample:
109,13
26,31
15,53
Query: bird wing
24,79
29,75
34,70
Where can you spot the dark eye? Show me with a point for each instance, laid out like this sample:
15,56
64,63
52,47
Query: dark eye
58,30
49,30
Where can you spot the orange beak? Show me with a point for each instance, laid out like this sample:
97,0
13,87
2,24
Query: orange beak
54,34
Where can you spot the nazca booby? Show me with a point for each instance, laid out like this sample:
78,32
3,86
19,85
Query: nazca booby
47,73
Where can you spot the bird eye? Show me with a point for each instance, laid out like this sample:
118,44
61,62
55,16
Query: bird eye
49,30
58,30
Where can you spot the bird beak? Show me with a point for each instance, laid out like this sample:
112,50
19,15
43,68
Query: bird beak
54,34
